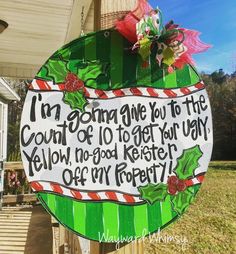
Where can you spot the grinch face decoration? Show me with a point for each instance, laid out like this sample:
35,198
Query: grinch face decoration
116,135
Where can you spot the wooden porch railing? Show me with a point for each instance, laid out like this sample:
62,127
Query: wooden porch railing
16,187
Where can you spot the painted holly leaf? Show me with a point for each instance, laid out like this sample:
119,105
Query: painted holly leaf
76,100
153,192
56,70
91,71
182,200
188,162
75,65
168,56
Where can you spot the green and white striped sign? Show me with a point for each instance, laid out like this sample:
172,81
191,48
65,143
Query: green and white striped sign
114,148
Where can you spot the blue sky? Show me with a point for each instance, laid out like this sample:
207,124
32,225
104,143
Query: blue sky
215,19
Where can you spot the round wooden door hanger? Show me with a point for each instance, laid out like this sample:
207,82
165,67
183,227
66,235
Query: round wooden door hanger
116,133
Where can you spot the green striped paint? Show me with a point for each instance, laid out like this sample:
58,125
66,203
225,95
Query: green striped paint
51,201
68,211
90,53
195,78
77,53
63,208
124,67
161,83
166,211
129,68
143,74
111,219
103,51
79,213
141,220
154,217
126,221
90,48
103,46
116,71
183,77
115,221
77,49
94,220
170,79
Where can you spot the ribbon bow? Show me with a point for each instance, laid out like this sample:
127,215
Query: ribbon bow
169,39
174,46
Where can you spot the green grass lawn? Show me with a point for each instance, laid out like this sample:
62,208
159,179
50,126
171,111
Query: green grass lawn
209,225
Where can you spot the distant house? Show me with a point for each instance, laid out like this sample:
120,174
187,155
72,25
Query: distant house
7,94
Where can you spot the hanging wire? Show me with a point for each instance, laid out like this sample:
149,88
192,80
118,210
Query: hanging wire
82,22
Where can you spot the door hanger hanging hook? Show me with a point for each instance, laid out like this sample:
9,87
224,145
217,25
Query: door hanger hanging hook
82,22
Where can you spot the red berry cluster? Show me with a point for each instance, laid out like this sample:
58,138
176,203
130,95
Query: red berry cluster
175,185
73,83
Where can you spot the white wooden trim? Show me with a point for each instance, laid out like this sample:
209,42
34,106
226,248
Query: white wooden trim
3,131
9,93
4,134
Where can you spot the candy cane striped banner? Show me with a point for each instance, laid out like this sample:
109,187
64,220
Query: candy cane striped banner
82,195
98,195
194,181
38,84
